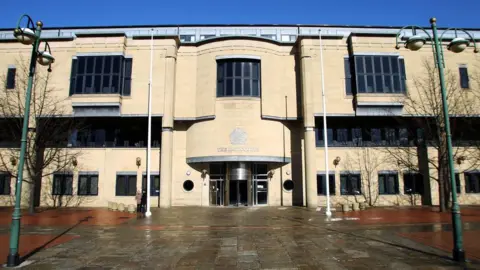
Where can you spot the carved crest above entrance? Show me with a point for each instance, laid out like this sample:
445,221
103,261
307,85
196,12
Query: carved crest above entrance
238,136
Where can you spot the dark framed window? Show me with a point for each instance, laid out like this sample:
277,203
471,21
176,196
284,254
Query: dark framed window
10,82
472,182
238,77
387,183
457,183
109,74
464,81
350,184
62,184
123,132
88,184
154,184
5,179
126,185
413,183
379,74
322,184
348,76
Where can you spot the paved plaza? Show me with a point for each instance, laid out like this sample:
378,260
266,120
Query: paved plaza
242,238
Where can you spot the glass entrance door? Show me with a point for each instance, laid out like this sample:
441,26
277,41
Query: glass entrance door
260,192
217,189
217,184
260,184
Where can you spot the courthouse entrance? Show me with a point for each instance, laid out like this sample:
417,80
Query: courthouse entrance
238,184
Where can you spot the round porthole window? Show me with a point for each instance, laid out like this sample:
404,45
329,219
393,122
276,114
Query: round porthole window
188,185
288,185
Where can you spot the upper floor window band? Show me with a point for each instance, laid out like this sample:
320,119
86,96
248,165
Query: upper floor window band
379,74
101,75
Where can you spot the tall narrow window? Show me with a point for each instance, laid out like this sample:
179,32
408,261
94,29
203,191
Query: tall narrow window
4,183
238,77
322,184
464,82
472,182
11,72
154,184
348,76
457,183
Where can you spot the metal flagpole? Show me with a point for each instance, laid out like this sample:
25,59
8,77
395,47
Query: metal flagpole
149,140
325,138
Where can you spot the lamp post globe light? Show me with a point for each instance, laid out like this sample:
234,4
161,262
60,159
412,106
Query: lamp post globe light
456,45
29,35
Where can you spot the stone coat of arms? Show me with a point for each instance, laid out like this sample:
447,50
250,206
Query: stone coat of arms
238,136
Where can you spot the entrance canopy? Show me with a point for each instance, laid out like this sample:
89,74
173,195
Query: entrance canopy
234,158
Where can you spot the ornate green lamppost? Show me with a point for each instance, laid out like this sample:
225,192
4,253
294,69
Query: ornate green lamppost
29,35
457,45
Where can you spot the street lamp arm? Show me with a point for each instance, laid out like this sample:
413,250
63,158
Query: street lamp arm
30,23
414,28
475,49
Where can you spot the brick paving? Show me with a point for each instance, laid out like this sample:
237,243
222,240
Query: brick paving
444,241
410,215
67,217
31,242
239,238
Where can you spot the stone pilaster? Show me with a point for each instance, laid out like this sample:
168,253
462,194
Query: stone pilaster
309,125
167,131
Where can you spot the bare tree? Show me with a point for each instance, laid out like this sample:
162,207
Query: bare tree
368,161
424,104
46,151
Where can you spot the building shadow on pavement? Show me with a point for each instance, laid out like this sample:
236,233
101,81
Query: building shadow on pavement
49,242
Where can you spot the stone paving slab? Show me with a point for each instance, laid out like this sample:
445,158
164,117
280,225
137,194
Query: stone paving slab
243,238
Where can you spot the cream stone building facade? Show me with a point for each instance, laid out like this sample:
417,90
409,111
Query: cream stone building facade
237,115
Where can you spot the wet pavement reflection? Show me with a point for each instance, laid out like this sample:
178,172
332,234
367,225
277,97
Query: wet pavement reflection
246,238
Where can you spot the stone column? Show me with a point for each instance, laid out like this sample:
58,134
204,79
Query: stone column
166,155
309,123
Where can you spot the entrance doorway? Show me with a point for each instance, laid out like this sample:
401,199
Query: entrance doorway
239,178
260,184
238,193
217,184
238,184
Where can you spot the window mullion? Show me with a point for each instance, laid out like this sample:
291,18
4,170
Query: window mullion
93,73
242,75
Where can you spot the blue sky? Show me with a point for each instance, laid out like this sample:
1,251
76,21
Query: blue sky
55,13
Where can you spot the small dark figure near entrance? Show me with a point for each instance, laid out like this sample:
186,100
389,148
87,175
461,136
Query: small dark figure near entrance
138,198
144,203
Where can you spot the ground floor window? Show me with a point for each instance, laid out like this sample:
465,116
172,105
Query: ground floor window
457,183
4,183
62,184
88,184
472,182
126,185
413,183
154,184
350,184
387,183
322,184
